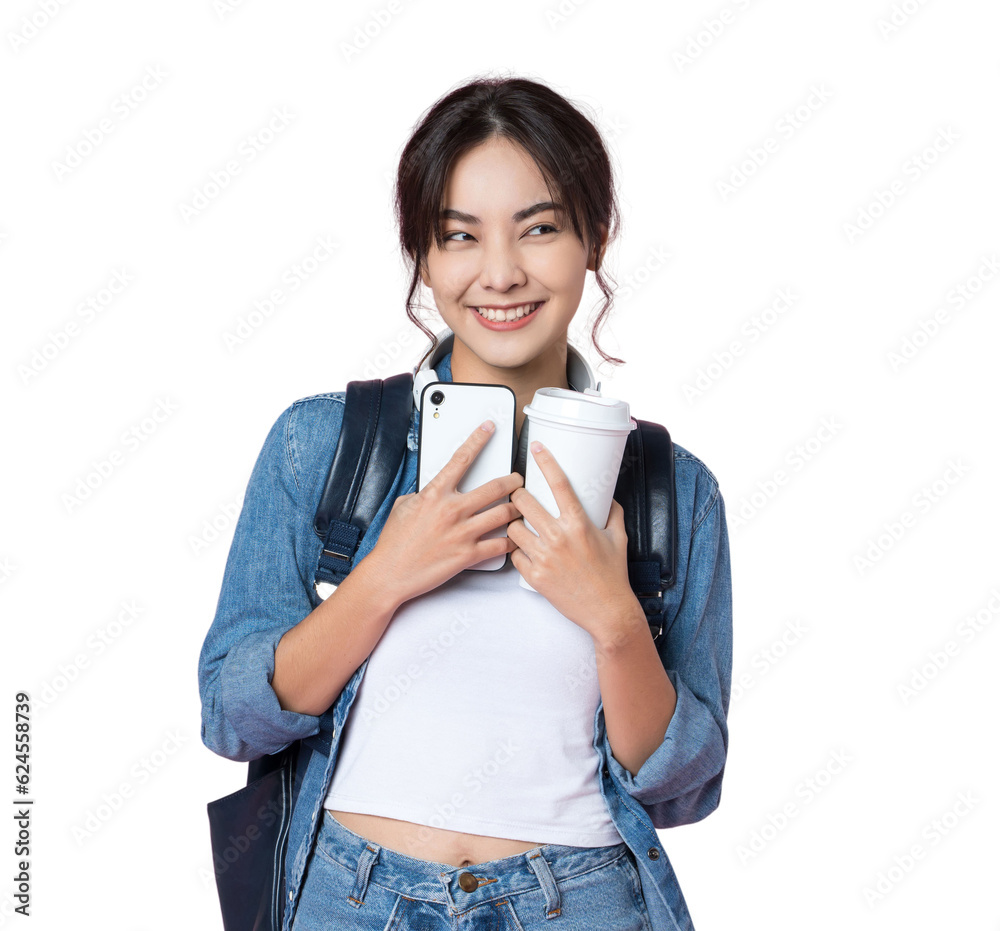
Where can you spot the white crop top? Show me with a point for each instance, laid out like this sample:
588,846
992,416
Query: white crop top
476,714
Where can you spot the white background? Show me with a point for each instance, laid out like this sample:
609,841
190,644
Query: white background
823,641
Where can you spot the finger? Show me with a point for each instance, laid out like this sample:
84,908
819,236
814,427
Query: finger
516,529
496,488
498,516
452,471
562,491
531,508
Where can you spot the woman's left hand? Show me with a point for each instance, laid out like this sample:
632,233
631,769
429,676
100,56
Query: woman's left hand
580,568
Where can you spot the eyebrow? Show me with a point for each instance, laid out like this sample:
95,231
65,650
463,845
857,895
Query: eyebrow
449,214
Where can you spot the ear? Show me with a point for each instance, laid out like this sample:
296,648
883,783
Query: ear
597,251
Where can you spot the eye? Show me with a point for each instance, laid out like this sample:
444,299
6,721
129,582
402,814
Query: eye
545,227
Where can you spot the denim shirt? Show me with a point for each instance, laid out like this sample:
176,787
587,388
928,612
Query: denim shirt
267,588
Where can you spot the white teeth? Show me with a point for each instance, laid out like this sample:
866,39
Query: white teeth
513,314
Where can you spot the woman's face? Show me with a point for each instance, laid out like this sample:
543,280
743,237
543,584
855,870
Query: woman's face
505,245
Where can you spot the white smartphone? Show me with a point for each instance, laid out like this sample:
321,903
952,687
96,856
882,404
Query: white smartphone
449,412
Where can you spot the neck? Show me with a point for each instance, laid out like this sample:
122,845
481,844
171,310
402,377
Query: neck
547,370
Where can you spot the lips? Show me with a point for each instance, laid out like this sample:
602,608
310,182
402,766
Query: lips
509,315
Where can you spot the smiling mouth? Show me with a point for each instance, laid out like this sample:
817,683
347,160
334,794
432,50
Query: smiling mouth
514,313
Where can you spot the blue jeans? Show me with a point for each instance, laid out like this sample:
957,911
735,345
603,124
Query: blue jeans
352,882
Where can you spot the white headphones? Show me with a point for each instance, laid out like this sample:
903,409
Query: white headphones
580,374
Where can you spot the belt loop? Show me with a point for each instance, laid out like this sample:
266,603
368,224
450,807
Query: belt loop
365,862
548,882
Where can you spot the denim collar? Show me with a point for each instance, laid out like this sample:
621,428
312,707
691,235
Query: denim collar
443,368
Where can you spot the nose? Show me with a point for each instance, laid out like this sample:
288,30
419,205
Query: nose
501,269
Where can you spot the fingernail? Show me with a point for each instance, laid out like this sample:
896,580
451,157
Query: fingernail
487,425
536,447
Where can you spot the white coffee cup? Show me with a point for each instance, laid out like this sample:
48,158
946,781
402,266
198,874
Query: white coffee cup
586,434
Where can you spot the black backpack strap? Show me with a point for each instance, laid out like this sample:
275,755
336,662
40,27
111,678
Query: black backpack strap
646,492
370,449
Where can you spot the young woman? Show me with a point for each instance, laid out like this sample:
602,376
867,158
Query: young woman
500,758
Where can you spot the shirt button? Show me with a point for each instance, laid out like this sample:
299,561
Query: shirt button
290,896
468,882
653,853
606,773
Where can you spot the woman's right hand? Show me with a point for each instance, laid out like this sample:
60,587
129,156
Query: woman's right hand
433,534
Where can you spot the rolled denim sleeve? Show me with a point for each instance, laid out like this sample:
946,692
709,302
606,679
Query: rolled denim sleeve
265,592
681,781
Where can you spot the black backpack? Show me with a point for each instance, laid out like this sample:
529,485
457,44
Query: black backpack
369,455
370,451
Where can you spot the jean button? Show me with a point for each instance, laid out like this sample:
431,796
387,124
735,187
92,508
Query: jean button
468,882
653,853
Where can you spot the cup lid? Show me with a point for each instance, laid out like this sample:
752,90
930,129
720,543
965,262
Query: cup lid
563,405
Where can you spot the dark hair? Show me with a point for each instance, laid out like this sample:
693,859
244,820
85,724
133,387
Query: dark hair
564,144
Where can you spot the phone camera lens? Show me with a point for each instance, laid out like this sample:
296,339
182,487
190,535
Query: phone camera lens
437,397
